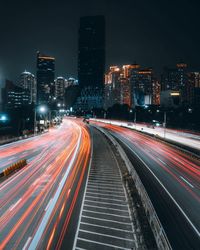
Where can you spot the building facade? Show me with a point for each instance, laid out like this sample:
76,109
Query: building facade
45,78
28,82
91,51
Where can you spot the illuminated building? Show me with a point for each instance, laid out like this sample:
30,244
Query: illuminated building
170,99
112,88
193,89
60,88
28,81
91,51
45,78
15,97
141,81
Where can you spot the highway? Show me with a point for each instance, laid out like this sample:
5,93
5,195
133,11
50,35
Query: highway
172,180
37,202
186,138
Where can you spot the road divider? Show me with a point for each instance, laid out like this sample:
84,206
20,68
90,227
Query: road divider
14,167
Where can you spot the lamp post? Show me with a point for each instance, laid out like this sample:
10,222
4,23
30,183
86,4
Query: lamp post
41,109
135,117
165,123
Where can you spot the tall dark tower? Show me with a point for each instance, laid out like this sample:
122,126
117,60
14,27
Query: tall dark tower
45,78
91,54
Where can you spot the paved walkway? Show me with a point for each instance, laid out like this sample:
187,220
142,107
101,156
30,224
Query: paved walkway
105,221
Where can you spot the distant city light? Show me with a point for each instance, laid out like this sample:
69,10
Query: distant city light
3,118
42,109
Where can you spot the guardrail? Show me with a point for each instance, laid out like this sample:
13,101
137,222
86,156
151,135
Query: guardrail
155,224
15,166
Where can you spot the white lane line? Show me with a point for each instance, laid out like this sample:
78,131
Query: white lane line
186,181
103,244
78,248
36,239
109,195
162,185
106,235
104,177
101,198
107,203
104,184
114,221
105,191
26,244
105,181
91,186
111,228
161,161
107,208
14,205
48,205
109,214
100,185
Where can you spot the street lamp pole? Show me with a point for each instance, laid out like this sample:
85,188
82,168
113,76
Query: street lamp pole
135,118
35,121
165,123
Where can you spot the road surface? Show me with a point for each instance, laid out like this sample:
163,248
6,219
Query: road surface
172,180
186,138
37,202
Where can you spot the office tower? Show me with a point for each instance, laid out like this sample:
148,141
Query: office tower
176,79
112,89
45,78
60,89
141,86
15,97
28,81
91,51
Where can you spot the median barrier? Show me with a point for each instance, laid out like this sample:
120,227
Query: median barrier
14,167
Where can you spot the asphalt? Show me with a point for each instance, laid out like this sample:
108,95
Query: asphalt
174,171
105,221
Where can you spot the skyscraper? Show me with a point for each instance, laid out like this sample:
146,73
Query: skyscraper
91,54
60,88
45,78
28,81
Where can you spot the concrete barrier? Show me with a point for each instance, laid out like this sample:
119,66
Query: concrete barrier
14,167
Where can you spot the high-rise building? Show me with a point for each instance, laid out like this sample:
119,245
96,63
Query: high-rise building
45,78
91,51
141,86
60,88
15,97
28,81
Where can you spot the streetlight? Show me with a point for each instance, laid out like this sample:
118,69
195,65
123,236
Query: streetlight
42,109
164,121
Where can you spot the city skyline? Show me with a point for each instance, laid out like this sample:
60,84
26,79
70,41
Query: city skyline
154,34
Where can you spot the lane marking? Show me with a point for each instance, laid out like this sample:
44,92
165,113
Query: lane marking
105,235
26,244
48,205
103,244
107,208
114,221
112,228
14,205
107,203
96,184
186,181
120,196
162,161
101,198
92,186
117,185
116,215
105,191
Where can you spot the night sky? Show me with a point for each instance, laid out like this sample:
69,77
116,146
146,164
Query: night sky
150,32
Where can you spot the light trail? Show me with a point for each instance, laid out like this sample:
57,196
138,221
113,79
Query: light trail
38,195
